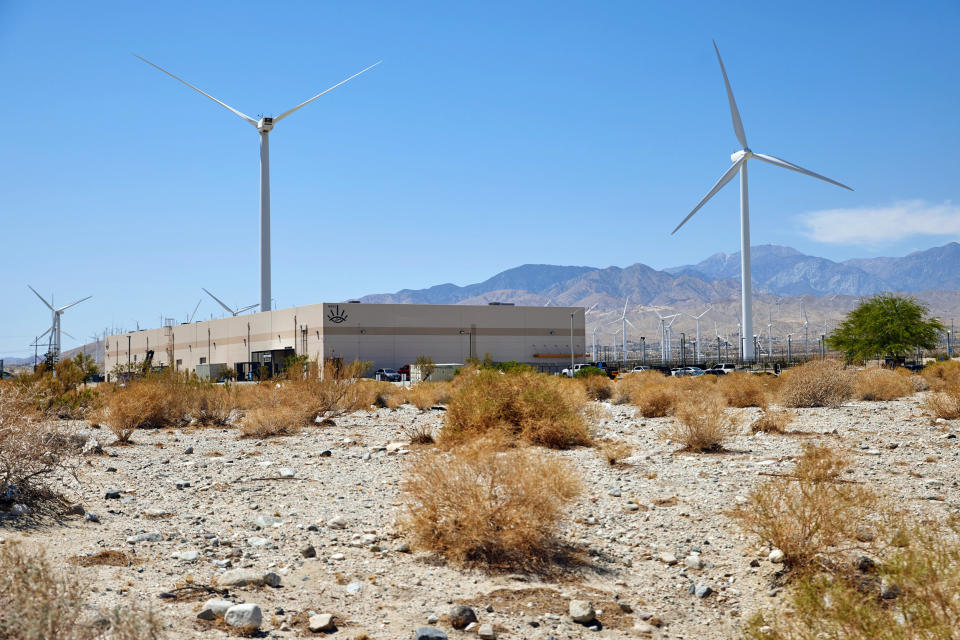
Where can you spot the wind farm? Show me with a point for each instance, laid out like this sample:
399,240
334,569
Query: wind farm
471,351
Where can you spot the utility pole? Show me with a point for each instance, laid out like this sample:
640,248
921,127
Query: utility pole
643,352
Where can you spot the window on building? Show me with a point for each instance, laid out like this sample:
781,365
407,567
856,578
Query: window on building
179,362
203,360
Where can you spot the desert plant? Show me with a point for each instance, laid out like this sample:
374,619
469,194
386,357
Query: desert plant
742,390
887,325
772,421
922,573
475,505
882,384
615,451
42,603
944,403
940,375
820,383
810,515
651,392
701,423
428,394
539,409
30,455
275,420
426,366
597,387
419,433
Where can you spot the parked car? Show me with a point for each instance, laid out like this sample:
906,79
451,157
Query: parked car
388,375
404,371
640,369
725,367
680,372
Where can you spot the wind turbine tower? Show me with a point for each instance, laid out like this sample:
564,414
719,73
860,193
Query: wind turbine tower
697,318
739,165
264,126
53,344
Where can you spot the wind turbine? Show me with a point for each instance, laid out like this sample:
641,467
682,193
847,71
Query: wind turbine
623,327
263,125
233,312
697,318
53,345
739,159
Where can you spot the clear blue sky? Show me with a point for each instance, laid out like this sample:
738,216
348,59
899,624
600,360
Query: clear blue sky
493,134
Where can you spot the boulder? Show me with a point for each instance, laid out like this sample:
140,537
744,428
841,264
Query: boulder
246,617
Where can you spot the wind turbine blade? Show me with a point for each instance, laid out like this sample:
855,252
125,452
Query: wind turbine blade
67,334
43,334
734,112
222,104
632,325
779,162
72,304
724,179
41,298
305,103
231,311
625,303
591,308
190,319
247,308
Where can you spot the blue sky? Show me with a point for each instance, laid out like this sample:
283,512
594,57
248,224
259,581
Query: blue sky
493,134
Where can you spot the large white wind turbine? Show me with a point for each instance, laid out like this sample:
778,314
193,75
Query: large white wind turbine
739,159
263,125
623,327
233,312
53,344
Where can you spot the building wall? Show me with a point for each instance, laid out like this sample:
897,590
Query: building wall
388,335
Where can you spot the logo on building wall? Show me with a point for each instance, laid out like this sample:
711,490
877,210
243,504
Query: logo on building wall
336,315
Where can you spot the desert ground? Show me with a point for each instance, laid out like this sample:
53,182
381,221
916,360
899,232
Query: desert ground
166,517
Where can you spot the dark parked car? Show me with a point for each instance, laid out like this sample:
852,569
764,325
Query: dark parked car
388,375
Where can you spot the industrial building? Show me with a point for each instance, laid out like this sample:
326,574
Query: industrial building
386,335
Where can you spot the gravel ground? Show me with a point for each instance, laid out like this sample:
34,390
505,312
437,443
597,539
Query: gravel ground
337,488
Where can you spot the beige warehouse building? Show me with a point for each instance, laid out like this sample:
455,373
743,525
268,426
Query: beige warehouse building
387,335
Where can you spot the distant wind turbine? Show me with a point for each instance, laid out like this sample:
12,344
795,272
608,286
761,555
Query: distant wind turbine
263,125
233,312
739,159
53,345
697,318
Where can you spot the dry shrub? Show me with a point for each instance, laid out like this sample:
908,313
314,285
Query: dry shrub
944,403
742,390
381,394
772,421
213,404
29,454
819,383
539,409
269,421
419,433
38,602
924,568
919,382
428,394
615,452
701,423
152,402
285,408
810,515
597,387
942,374
882,384
478,506
651,392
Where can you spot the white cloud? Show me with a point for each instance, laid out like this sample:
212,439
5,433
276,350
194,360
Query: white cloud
883,225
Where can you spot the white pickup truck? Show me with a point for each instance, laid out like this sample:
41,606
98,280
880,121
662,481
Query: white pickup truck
570,373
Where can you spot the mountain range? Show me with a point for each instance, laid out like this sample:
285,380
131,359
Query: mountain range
777,270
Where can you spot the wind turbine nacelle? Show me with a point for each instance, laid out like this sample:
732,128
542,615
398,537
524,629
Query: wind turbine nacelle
265,124
736,155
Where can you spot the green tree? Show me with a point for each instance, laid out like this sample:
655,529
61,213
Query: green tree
426,365
886,325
